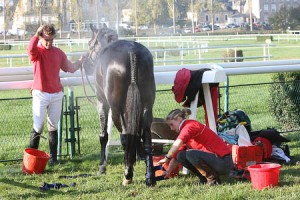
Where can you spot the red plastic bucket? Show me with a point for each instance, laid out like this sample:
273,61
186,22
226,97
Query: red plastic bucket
34,161
265,175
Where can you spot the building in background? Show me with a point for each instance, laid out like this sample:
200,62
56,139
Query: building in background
261,10
21,16
66,15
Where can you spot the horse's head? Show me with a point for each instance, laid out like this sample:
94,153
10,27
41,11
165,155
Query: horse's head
100,39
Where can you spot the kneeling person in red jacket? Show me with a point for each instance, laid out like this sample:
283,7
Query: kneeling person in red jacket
197,148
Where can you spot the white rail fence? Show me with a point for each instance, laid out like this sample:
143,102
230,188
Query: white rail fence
166,56
170,39
21,77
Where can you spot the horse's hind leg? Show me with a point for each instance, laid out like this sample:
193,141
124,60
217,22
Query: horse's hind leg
103,110
128,143
147,140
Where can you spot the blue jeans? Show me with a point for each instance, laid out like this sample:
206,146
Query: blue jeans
191,158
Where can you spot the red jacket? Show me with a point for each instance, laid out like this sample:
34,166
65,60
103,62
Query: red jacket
197,136
186,85
46,66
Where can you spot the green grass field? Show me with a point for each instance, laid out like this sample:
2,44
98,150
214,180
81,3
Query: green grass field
16,126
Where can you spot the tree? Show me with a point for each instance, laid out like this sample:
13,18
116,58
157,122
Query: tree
113,9
119,5
7,15
213,6
281,19
195,7
172,12
140,13
295,18
155,10
40,4
284,99
76,14
183,7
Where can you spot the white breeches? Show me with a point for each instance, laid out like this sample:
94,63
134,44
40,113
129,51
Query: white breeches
42,102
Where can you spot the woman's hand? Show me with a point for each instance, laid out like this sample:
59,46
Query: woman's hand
163,161
171,166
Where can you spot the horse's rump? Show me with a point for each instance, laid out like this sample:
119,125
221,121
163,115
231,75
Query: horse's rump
115,68
129,88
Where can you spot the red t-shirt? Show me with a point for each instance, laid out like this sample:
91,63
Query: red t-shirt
46,66
197,136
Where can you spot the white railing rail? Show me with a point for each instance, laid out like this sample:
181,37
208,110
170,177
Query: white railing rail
166,58
21,77
191,38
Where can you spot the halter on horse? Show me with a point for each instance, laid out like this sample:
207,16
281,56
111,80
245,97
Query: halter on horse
124,82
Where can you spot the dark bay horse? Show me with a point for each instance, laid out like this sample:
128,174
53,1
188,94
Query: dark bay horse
124,82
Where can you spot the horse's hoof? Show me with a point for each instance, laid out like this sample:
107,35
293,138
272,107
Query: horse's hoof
127,182
102,170
150,182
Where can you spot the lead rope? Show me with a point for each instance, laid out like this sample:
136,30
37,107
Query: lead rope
84,89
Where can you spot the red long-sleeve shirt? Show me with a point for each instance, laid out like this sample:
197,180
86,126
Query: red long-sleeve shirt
197,136
47,64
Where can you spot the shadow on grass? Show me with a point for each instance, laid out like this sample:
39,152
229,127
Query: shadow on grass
114,158
17,184
24,185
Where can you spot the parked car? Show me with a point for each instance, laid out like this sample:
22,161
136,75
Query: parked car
143,27
216,27
205,28
232,26
187,30
223,26
124,25
197,29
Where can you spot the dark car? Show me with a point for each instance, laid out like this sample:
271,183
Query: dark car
233,26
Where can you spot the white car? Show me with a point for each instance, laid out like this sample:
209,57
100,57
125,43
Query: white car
143,27
205,28
187,30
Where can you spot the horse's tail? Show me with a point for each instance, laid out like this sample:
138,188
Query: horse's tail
134,113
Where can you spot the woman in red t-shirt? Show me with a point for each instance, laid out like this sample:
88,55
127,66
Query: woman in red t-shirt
197,148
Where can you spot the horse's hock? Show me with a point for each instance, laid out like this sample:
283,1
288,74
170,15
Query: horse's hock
232,55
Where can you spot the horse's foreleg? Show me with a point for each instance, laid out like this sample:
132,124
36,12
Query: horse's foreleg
150,174
103,116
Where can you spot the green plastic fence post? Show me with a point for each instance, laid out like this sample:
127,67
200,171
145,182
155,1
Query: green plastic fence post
226,95
71,114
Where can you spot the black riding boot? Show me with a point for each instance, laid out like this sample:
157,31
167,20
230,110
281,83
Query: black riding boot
53,146
34,139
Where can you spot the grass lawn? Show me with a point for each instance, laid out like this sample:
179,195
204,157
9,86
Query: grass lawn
15,185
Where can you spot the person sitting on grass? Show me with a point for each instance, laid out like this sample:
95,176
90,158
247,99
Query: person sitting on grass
197,148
